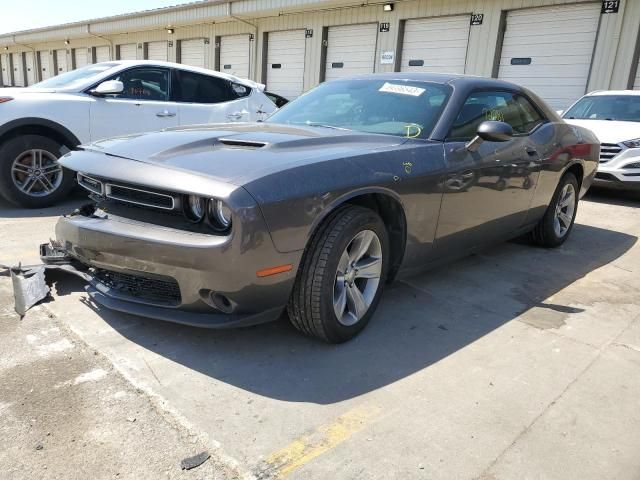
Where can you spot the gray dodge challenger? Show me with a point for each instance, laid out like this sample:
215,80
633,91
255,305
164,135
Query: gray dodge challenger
312,211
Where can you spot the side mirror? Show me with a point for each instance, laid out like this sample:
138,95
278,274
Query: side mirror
110,87
491,131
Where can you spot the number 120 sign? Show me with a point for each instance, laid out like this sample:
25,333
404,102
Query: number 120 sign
610,6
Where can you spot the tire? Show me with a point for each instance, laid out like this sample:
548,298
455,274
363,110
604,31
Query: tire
17,158
546,232
311,306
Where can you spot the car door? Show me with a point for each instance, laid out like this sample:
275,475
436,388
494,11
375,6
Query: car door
205,99
142,106
487,192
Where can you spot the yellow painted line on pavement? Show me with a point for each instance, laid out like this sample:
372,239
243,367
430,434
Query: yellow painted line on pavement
303,450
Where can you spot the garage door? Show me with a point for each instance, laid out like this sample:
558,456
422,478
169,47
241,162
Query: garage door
157,51
192,52
127,51
102,54
285,63
61,61
435,45
29,58
44,64
18,70
81,58
549,50
351,50
234,55
6,70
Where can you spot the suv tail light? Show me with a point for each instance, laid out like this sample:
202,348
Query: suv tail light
5,99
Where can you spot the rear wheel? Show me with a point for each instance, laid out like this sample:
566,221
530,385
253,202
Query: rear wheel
556,225
341,276
30,175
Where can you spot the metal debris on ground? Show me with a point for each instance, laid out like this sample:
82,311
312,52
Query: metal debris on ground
195,461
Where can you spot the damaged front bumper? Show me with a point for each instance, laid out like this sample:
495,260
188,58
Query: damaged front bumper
173,275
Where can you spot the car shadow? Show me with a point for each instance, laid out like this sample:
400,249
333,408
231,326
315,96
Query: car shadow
626,198
419,322
76,198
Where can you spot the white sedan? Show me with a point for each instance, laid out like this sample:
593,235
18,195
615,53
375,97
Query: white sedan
38,124
614,116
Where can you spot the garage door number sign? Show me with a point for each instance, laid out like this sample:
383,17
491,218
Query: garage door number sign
610,6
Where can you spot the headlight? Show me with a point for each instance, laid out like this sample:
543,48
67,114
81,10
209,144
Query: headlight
632,143
219,214
194,207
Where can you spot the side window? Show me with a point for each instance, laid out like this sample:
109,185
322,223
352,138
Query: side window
507,107
190,87
144,84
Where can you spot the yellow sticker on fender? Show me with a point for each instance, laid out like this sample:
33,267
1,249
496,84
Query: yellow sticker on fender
401,89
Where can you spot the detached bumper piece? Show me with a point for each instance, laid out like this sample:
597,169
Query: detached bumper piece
29,282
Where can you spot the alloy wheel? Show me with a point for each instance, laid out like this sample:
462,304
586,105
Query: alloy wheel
357,277
36,173
565,208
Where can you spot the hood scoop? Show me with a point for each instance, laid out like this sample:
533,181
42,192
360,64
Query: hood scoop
230,142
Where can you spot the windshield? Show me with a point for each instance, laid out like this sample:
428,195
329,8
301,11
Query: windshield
75,77
390,107
624,108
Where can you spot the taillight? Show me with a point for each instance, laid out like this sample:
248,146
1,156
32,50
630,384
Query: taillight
5,99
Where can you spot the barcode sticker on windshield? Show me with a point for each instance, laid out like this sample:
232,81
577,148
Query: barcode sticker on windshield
402,89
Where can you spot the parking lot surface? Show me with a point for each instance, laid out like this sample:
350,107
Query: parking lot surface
518,362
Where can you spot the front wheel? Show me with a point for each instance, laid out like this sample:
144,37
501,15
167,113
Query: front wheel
341,276
30,175
556,225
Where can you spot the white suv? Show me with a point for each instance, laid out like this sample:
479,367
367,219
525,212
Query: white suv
38,124
614,116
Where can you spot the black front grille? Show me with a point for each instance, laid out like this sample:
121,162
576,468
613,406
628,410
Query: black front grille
159,290
139,196
609,151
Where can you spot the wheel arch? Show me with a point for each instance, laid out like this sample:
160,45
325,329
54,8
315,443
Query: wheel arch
385,203
39,126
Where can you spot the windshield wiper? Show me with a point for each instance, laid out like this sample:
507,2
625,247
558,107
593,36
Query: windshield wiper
313,124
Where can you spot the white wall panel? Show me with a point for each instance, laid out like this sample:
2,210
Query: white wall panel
435,45
285,63
558,42
351,50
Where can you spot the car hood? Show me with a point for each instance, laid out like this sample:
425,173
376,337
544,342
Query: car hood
609,131
236,153
14,92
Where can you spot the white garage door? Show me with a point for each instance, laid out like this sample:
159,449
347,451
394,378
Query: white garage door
102,54
549,50
435,45
18,70
351,50
31,68
192,52
6,70
80,57
285,63
157,51
234,55
127,51
61,61
45,64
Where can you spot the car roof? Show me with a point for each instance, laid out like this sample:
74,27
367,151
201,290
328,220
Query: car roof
601,93
182,66
449,78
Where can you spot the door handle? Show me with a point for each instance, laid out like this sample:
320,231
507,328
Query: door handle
235,115
166,113
530,151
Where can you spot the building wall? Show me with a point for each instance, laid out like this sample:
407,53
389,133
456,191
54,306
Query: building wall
614,61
